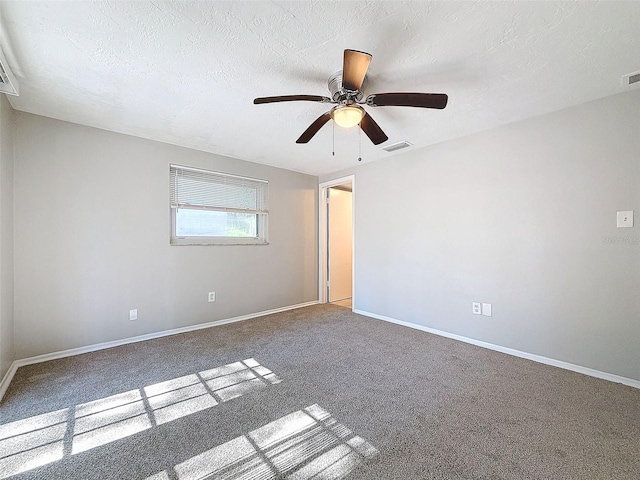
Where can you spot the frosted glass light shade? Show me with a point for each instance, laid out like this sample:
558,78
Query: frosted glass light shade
348,116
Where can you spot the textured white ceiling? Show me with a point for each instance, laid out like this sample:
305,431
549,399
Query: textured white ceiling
186,72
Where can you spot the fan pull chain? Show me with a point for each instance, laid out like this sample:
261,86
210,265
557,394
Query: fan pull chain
333,137
359,143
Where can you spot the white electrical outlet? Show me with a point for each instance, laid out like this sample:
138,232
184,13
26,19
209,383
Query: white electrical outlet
625,219
476,308
133,314
486,309
212,297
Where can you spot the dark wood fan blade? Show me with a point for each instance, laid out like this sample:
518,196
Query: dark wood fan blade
293,98
424,100
373,130
354,68
314,127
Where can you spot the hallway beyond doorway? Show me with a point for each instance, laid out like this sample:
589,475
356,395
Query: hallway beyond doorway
347,303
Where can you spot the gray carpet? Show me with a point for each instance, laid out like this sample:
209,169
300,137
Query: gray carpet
317,392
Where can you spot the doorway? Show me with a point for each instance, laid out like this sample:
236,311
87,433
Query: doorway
336,242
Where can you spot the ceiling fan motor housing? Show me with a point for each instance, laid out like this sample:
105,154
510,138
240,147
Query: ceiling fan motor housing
339,94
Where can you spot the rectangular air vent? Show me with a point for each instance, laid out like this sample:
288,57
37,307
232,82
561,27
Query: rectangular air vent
397,146
631,80
8,82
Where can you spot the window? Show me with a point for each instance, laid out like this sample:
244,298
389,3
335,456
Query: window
210,208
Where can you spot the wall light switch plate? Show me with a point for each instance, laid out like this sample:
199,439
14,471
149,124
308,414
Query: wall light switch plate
486,309
625,219
477,310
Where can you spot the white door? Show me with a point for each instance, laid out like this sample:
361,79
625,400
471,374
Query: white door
340,234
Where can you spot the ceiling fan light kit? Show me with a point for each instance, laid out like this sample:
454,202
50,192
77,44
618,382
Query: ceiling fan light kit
346,87
347,116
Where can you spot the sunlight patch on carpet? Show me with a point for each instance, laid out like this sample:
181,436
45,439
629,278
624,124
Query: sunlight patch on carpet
42,439
303,445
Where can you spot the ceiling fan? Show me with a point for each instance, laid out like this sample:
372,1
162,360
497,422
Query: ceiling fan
346,93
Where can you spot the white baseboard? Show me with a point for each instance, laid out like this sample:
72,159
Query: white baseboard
4,385
510,351
6,380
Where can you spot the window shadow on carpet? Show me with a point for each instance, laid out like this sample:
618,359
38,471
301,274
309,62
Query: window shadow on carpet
306,444
43,439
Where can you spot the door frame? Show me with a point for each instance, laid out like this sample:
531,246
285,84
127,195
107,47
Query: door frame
323,258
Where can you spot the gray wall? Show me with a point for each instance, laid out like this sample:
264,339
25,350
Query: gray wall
523,217
6,236
92,240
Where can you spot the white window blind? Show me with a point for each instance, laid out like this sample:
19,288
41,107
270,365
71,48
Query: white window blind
204,190
212,208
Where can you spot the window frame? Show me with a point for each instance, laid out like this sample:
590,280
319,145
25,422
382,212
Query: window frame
262,216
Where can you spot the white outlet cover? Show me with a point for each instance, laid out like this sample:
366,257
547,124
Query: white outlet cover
212,296
486,309
476,309
625,219
133,314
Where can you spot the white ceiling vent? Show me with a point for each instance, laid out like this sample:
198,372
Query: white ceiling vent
8,82
631,80
397,146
